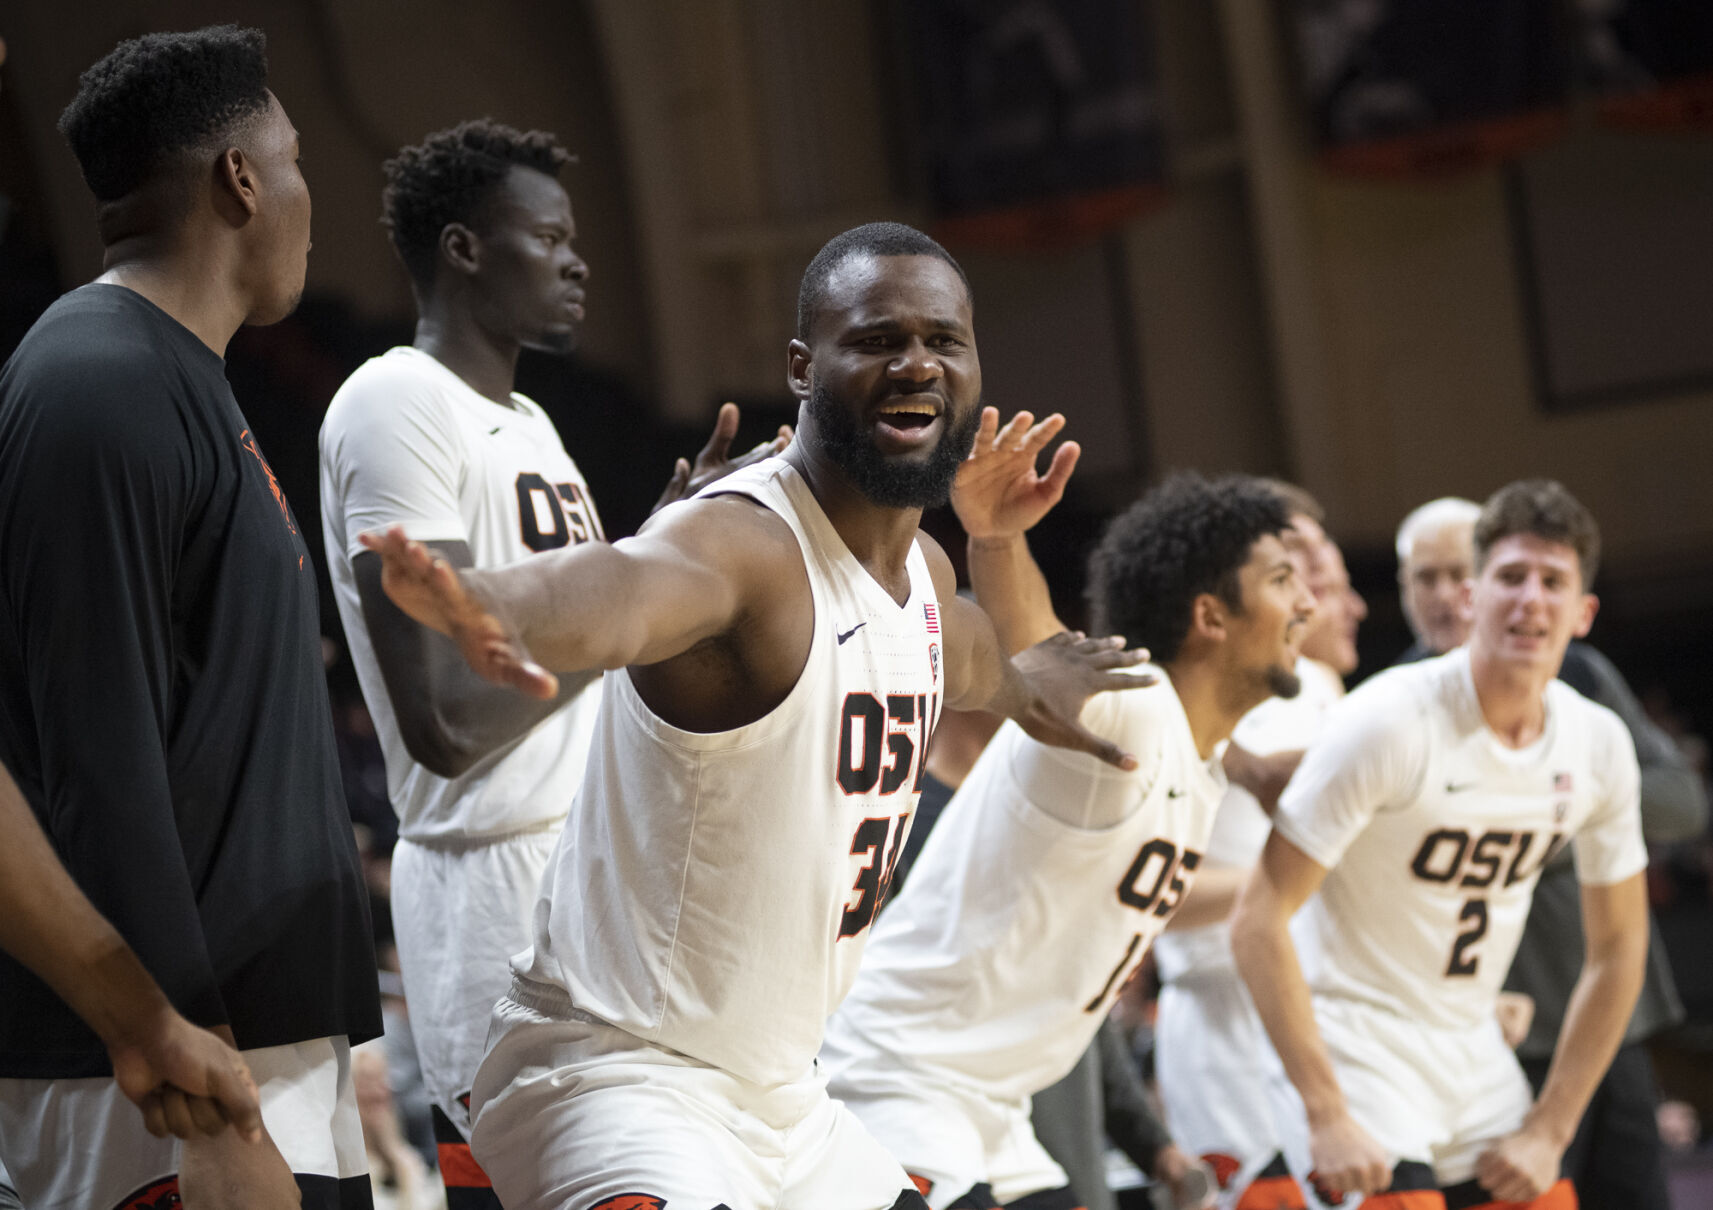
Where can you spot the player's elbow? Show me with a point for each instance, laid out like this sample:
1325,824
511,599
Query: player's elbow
1256,933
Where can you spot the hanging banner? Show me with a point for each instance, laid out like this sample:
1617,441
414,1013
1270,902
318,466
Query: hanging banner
1423,88
1040,122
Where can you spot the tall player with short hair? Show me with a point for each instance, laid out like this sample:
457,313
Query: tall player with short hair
782,645
163,704
1423,817
432,437
1049,874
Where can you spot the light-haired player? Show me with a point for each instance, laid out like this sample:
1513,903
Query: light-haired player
1422,818
1049,874
1211,1052
786,640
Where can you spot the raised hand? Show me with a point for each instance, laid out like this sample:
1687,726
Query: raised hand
187,1081
714,460
1347,1159
997,492
434,594
1061,673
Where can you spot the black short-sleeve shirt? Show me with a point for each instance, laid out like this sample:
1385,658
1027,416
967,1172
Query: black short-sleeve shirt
162,700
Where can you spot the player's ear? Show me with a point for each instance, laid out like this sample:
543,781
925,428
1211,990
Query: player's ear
1208,617
460,248
797,360
1590,606
235,182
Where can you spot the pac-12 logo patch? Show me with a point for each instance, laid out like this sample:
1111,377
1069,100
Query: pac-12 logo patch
934,662
630,1201
160,1195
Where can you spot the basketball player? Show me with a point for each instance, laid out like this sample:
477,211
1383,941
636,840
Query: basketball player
1423,816
1048,875
162,700
1214,1063
431,437
786,641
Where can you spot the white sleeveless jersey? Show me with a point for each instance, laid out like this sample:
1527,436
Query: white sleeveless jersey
1019,924
712,892
1434,834
1241,827
407,442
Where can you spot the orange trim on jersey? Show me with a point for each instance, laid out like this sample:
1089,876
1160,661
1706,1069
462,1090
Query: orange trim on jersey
459,1169
1561,1196
1405,1199
924,1186
1272,1193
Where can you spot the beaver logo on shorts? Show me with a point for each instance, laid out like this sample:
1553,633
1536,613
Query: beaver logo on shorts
160,1195
631,1201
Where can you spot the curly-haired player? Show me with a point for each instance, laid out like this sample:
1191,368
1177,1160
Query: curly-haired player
1049,874
432,437
162,699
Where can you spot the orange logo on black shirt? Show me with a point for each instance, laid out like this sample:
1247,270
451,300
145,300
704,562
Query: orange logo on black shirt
161,1195
249,443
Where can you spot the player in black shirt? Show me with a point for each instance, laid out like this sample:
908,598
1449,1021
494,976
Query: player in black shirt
162,700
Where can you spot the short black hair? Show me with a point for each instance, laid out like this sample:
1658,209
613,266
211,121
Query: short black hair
159,94
1187,536
870,239
446,178
1543,508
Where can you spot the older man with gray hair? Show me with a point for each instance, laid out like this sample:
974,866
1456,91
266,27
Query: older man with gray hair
1435,557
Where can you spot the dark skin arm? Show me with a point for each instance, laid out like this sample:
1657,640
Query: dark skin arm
449,717
710,608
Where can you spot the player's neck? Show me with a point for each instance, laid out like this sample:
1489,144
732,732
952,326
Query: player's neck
190,289
1512,698
1208,703
879,538
486,363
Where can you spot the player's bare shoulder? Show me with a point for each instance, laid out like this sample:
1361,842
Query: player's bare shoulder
735,676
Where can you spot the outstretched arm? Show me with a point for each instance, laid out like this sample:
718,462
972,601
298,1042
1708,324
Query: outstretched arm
683,579
1615,923
186,1080
1345,1156
999,497
715,460
448,716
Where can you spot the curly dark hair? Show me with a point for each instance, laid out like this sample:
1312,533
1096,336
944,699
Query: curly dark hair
1187,536
159,94
446,178
1546,509
870,239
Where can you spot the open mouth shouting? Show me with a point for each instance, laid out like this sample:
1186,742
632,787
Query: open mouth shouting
908,422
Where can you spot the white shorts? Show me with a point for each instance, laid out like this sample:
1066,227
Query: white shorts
950,1137
459,914
1226,1096
81,1145
574,1114
1434,1096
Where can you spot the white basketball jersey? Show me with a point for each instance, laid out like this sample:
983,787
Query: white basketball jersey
407,442
1020,924
1241,827
1434,833
712,892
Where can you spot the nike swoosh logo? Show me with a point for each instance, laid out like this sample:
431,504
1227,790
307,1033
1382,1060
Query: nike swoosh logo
1458,787
847,634
1174,793
493,430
